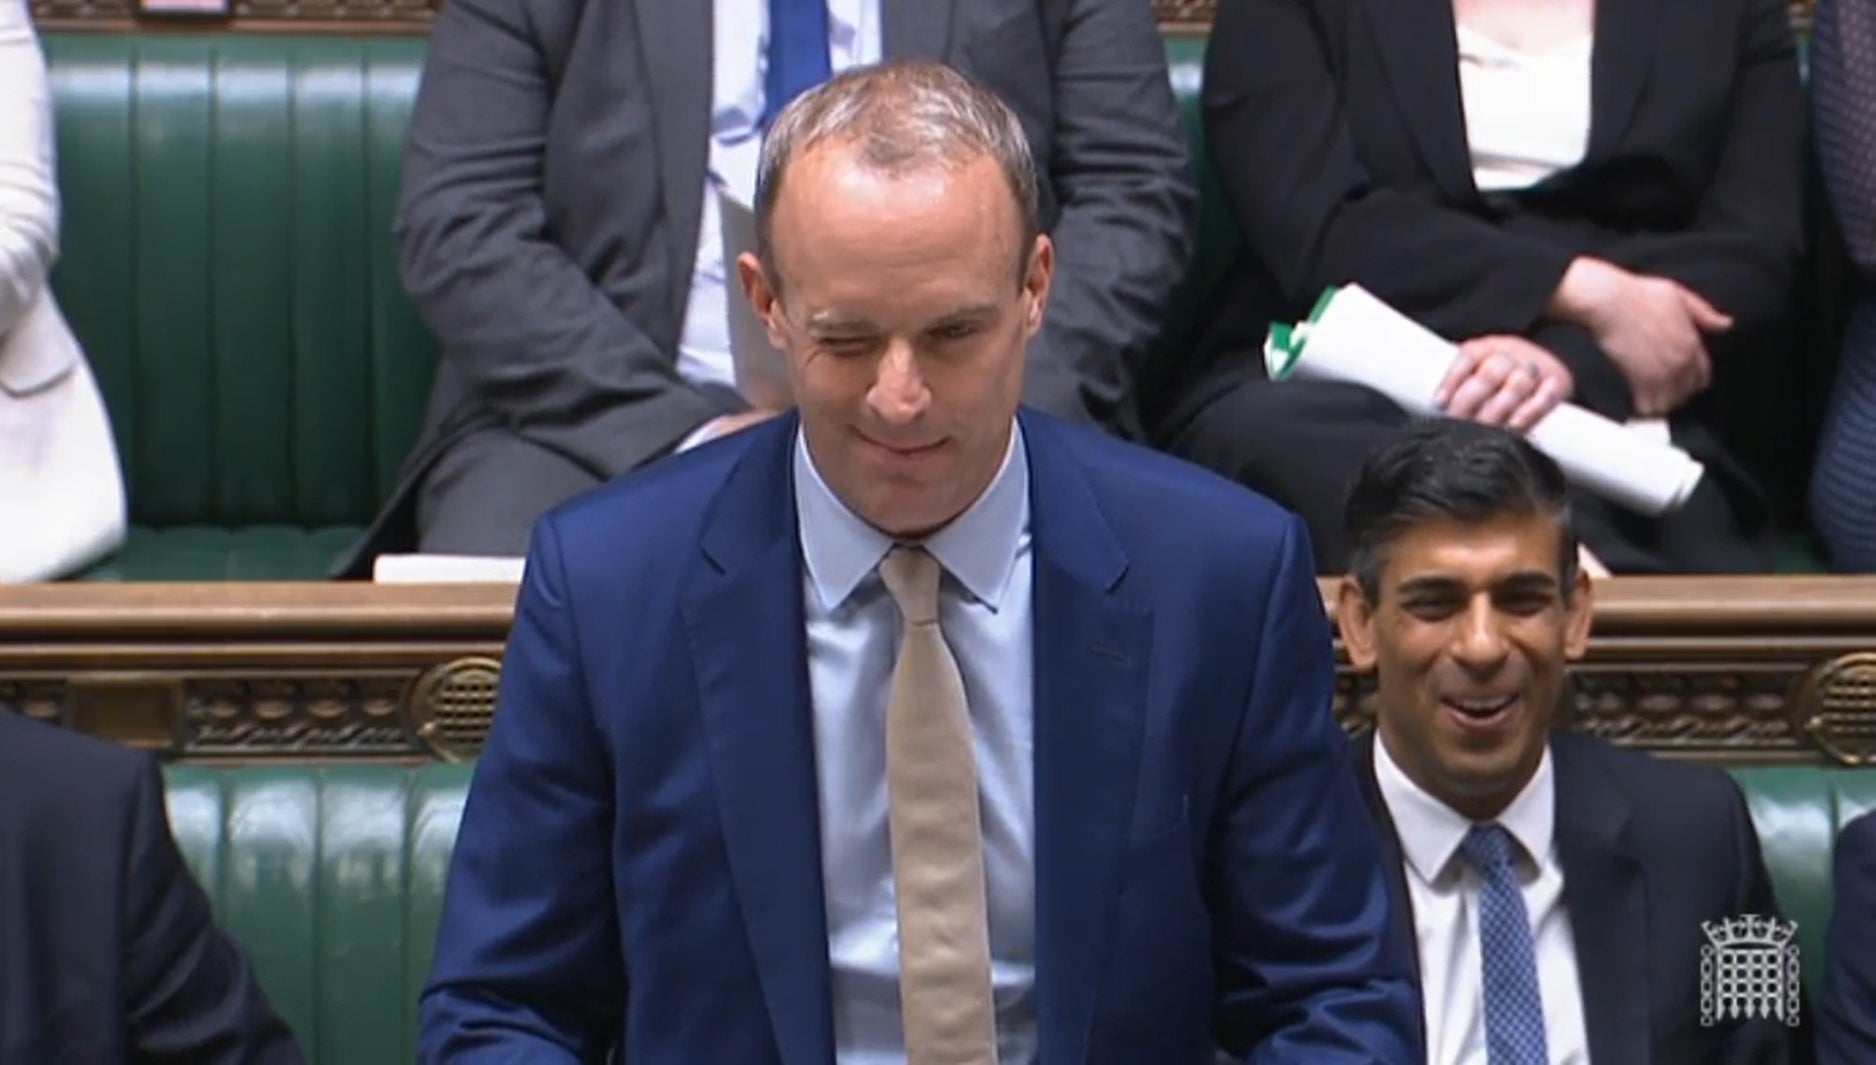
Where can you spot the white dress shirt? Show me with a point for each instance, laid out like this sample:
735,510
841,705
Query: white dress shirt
739,66
1444,890
853,632
1527,113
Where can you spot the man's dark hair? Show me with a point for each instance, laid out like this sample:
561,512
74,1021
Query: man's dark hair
1444,469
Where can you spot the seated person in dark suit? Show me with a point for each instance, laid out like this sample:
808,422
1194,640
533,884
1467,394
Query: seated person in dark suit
560,230
1846,1014
108,951
1555,886
1599,201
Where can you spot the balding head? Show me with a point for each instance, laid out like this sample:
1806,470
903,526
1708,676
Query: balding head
901,118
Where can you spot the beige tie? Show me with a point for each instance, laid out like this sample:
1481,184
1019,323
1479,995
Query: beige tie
937,838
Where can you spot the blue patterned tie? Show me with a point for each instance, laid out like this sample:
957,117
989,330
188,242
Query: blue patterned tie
1514,1008
798,57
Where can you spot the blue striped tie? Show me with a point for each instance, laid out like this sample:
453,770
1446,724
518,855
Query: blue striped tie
798,57
1514,1008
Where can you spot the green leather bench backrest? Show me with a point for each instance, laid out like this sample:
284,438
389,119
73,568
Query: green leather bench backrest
1797,811
332,878
227,264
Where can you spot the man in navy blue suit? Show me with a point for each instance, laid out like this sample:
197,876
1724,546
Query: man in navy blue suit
912,727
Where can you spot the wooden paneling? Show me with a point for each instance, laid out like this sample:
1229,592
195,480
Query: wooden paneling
1769,669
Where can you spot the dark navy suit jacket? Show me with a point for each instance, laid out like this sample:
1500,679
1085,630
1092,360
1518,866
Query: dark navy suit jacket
1846,1021
639,866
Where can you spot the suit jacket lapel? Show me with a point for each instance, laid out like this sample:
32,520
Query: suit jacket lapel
1620,66
675,38
1605,896
744,614
916,29
1363,757
1091,651
1421,58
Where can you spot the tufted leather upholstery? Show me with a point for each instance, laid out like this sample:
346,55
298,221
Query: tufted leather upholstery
332,878
227,264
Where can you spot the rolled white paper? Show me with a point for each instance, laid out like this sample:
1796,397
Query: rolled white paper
1352,336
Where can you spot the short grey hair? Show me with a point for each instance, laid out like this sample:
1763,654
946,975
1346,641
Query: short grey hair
904,117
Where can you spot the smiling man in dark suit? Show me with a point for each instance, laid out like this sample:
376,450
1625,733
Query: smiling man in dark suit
1556,887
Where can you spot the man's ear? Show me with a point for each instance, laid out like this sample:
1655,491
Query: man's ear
764,297
1582,612
1354,619
1038,278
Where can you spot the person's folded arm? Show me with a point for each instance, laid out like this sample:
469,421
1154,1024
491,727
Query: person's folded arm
1743,245
1315,217
1121,174
511,308
29,196
527,951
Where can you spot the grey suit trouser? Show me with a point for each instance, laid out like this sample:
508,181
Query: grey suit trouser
485,493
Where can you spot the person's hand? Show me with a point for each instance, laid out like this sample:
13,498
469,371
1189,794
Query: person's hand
1504,380
1652,328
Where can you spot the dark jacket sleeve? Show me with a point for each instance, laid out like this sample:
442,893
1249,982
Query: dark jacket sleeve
1846,1032
510,308
190,994
1743,245
1120,173
1312,213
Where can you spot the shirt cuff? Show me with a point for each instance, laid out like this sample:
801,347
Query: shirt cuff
696,436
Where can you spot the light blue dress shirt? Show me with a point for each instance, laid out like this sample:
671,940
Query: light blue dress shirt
739,45
853,628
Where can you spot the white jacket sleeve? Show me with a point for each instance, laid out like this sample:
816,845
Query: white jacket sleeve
29,198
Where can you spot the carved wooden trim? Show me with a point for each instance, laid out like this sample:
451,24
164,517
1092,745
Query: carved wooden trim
413,16
1757,669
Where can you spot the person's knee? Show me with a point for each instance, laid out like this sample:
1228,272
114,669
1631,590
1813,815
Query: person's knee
486,496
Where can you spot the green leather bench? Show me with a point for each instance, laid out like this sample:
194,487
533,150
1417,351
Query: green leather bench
332,879
228,265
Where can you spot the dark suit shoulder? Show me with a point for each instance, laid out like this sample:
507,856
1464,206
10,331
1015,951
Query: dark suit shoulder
1859,833
1667,800
44,765
1138,485
664,499
67,799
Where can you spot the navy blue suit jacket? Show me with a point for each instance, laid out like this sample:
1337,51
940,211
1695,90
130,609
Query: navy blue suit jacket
639,861
1846,1020
109,951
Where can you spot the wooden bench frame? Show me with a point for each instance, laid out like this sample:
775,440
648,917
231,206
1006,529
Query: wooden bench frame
1735,670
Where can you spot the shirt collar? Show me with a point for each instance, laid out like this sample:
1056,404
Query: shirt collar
978,548
1430,831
